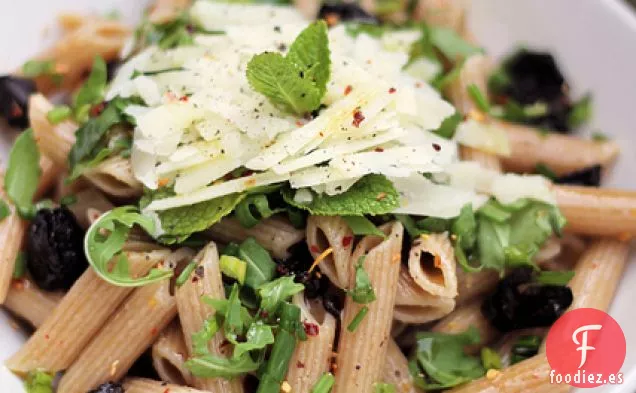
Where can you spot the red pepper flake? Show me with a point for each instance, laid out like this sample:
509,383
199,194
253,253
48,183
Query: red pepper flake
378,149
314,248
358,118
46,336
299,123
183,98
348,89
300,364
264,314
418,84
16,111
167,390
437,147
97,109
322,134
154,331
346,241
392,90
311,329
332,19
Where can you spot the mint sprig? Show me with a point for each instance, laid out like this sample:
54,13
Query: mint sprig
298,81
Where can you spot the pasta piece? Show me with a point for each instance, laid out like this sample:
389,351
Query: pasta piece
115,177
505,345
396,370
48,176
169,354
443,13
79,316
73,54
531,375
193,313
12,231
414,305
88,199
275,234
597,274
164,11
30,303
432,265
331,232
361,352
463,318
472,285
311,358
475,71
597,211
123,338
562,153
54,141
142,385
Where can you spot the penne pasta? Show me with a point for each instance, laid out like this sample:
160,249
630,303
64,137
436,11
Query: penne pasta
472,285
77,319
443,13
561,153
193,312
30,303
333,233
597,211
142,385
396,370
88,199
123,338
275,234
12,231
361,352
432,265
414,305
114,176
169,354
463,318
311,358
163,11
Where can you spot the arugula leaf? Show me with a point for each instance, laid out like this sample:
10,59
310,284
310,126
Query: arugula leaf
465,227
211,366
451,44
581,112
298,81
449,126
233,267
261,268
361,226
38,382
372,195
20,268
441,359
380,387
555,278
275,292
492,238
92,91
23,172
258,336
37,68
362,292
253,209
5,210
201,338
104,241
324,384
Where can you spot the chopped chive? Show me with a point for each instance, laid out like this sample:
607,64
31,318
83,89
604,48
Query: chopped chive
490,359
324,384
555,278
581,112
599,137
68,200
183,277
478,98
358,319
233,267
19,269
546,171
5,211
59,114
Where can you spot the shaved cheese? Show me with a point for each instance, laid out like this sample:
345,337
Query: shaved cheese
161,128
484,136
201,175
214,16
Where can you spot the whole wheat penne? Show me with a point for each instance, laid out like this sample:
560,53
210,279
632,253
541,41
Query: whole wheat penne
414,305
54,141
472,285
443,13
142,385
505,345
89,198
463,318
163,11
562,153
361,352
396,370
531,375
12,230
432,265
30,303
276,234
193,312
312,357
333,233
123,338
597,274
597,211
114,176
76,320
169,354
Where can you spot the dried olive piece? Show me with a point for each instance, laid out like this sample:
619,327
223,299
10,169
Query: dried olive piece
55,249
520,303
586,177
345,12
108,387
14,99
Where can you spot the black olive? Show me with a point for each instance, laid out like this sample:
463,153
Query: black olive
519,303
55,249
586,177
111,69
108,387
14,99
345,12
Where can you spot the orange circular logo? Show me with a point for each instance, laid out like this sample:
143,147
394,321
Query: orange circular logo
586,348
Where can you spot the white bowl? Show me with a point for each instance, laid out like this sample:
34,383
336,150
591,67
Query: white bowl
593,41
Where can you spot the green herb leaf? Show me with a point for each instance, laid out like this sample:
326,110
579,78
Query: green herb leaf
545,171
233,267
92,91
185,274
494,211
372,195
258,336
441,359
449,126
451,44
479,98
5,210
68,200
104,241
362,292
490,359
492,238
23,172
38,382
58,114
361,226
555,278
357,319
296,82
120,146
261,268
599,137
253,209
465,227
581,112
211,366
434,224
525,348
201,339
274,293
19,269
380,387
324,384
36,68
410,225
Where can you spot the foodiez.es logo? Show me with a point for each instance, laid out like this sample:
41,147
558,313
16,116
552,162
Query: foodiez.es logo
586,348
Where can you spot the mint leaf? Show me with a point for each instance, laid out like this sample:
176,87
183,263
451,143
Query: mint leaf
38,382
277,291
296,82
372,195
23,171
